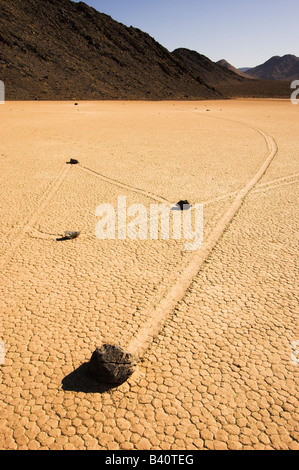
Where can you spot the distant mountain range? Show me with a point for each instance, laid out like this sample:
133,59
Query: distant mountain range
284,68
59,49
227,80
277,68
244,69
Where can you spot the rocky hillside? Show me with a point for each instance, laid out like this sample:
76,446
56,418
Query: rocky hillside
59,49
208,70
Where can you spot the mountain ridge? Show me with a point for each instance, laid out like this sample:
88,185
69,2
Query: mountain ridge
229,83
203,66
59,49
277,68
63,50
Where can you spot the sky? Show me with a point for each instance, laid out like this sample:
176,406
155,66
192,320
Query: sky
245,33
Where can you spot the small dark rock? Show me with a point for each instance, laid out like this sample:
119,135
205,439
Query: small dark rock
112,364
73,162
71,235
182,205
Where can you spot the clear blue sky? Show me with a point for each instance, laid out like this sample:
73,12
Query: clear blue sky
245,33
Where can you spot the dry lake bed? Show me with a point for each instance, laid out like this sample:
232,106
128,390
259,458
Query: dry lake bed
216,328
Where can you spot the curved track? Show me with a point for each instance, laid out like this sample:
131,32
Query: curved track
144,336
18,234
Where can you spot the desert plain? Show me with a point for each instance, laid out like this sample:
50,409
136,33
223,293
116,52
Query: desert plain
216,329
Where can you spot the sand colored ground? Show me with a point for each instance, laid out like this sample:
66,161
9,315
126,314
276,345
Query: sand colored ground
216,369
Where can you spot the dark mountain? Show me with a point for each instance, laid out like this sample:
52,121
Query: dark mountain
228,66
277,68
59,49
229,83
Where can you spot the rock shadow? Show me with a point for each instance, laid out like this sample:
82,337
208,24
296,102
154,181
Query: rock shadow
80,380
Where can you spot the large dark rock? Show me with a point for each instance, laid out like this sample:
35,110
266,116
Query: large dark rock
112,364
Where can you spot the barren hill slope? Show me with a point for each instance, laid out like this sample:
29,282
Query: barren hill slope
59,49
228,66
208,70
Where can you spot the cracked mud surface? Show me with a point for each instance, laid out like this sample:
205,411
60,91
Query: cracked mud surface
216,374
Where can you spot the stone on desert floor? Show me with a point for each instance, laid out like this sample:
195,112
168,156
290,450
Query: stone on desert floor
182,205
73,161
112,364
71,235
